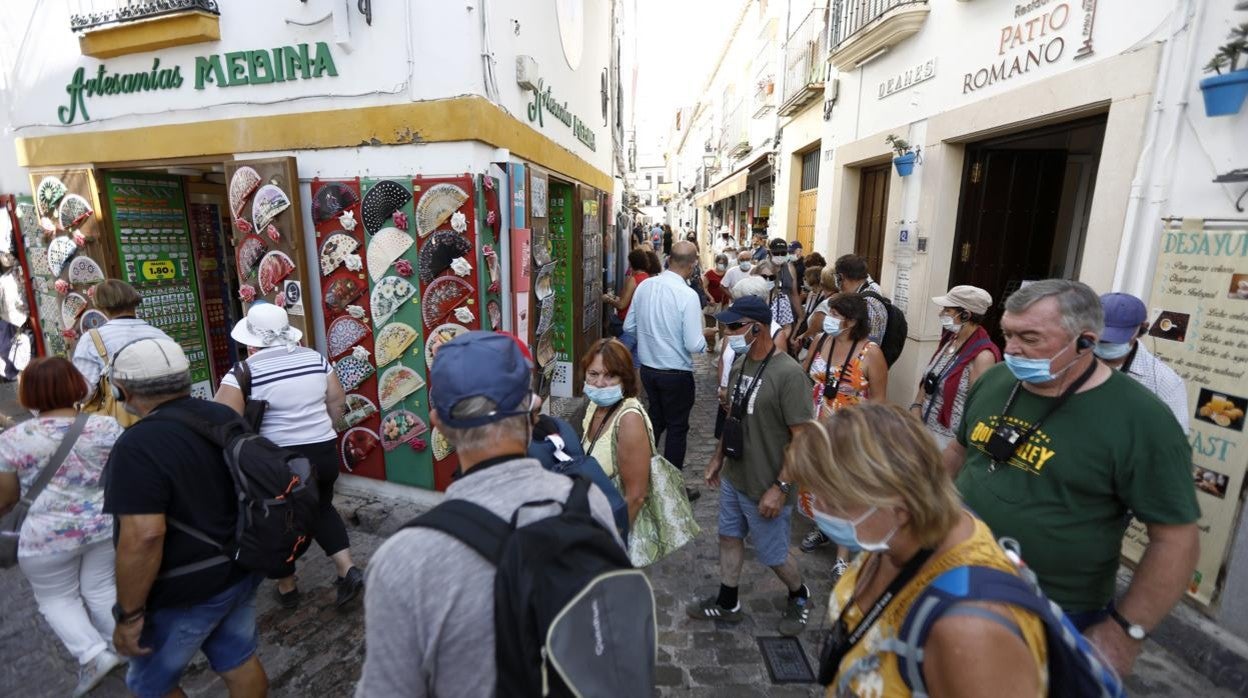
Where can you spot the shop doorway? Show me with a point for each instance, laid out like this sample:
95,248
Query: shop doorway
807,198
872,216
1024,208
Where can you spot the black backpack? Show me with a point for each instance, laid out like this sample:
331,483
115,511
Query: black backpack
278,503
894,339
571,615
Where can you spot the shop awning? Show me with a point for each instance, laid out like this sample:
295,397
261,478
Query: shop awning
731,185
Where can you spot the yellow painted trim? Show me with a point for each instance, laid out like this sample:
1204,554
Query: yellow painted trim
150,34
470,118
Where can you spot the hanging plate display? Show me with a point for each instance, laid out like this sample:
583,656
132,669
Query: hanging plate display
358,409
60,251
388,296
380,203
269,202
397,382
248,254
385,248
392,341
84,270
341,293
244,182
91,320
352,371
71,307
73,211
48,194
273,268
436,206
439,251
442,297
357,444
400,427
343,333
439,336
334,251
330,200
441,447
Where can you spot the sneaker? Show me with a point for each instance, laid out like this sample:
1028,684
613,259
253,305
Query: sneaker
795,616
839,569
709,609
93,672
349,586
814,540
288,600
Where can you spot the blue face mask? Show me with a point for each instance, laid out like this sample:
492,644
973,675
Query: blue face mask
831,325
738,343
1034,370
1110,351
844,533
745,266
604,397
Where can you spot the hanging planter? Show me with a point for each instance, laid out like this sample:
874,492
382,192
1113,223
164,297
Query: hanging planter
1224,92
906,158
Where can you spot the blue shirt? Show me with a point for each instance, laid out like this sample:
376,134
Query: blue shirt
666,319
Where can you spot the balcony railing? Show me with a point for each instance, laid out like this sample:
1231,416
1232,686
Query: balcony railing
736,135
805,61
861,28
93,14
764,81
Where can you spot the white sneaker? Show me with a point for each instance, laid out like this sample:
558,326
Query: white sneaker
93,672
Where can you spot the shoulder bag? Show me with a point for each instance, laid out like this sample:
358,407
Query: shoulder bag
11,523
253,410
104,402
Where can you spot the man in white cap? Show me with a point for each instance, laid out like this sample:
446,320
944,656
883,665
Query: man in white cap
161,471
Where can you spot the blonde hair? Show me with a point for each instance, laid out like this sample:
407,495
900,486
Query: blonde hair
877,455
827,279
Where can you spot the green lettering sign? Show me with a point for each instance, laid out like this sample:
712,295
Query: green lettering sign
544,101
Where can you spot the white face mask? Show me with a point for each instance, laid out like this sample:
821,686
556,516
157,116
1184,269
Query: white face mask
950,324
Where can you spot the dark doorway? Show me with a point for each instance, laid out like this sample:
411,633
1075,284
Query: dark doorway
1024,209
872,216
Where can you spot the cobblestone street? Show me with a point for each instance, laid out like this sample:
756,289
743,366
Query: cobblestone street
317,651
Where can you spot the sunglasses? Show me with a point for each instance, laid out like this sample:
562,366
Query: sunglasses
737,325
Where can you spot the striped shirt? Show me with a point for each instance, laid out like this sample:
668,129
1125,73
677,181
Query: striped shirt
295,385
115,334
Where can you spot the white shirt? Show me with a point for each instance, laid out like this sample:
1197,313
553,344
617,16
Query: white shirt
295,385
115,334
666,319
732,276
1162,381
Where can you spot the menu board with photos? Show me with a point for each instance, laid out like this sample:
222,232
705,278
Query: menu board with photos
1199,327
157,259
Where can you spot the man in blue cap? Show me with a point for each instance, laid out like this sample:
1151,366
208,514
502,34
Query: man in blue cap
1126,320
429,611
769,397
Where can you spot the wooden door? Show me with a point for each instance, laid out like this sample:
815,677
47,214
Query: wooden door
872,221
806,218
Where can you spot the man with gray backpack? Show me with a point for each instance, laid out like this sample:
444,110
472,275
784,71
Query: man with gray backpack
518,583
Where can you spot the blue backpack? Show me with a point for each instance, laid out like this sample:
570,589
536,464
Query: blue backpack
1075,670
558,448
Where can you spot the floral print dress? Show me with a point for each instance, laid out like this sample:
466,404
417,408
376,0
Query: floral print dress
70,512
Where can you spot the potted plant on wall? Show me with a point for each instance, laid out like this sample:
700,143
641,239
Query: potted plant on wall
906,155
1224,92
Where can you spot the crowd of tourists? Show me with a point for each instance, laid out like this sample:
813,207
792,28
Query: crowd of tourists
979,501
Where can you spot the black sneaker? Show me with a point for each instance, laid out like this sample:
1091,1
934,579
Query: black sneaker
349,586
814,540
709,609
288,600
795,616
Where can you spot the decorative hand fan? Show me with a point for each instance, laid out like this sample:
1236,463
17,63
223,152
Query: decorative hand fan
441,447
437,253
388,296
244,182
84,270
439,336
73,211
341,293
400,427
73,304
330,200
273,268
397,382
60,251
392,341
357,443
495,313
48,194
436,206
545,351
343,333
352,371
248,254
358,409
381,201
92,319
269,202
441,298
335,250
386,246
546,315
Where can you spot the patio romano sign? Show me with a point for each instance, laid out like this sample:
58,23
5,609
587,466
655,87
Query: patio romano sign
232,69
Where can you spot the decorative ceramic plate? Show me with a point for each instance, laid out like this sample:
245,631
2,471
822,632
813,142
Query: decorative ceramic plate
274,267
385,248
357,444
439,336
400,427
437,253
332,199
388,296
248,254
442,297
392,341
270,201
71,307
436,205
244,182
60,251
92,319
84,270
358,409
343,333
334,251
352,371
381,201
48,194
73,211
341,293
397,382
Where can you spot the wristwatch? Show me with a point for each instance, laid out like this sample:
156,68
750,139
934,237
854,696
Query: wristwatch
122,617
1134,631
785,487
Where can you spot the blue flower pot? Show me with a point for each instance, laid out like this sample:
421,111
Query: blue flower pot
1224,94
905,164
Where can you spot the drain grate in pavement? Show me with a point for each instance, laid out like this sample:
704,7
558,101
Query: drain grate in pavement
786,660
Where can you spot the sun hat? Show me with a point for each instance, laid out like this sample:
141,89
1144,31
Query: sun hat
1124,314
479,364
148,359
266,325
970,298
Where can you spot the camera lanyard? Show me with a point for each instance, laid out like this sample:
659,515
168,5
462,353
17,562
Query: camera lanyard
903,578
1026,434
940,380
830,389
740,401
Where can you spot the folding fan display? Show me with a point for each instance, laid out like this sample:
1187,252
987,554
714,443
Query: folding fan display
274,267
341,293
60,251
545,351
392,341
73,304
73,211
247,254
330,200
388,296
84,270
92,319
437,253
269,202
352,371
441,298
439,336
48,194
436,206
400,427
546,315
343,333
358,409
244,182
385,248
441,447
334,251
357,444
397,382
380,203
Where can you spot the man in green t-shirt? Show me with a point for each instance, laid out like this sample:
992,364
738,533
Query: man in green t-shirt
770,395
1055,448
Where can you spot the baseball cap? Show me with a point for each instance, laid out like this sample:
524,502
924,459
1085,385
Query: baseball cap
148,359
746,308
479,364
1124,313
970,298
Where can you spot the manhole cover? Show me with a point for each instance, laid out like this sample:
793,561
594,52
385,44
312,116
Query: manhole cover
786,660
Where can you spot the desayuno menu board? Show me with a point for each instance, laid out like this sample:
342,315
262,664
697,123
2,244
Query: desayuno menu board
1199,327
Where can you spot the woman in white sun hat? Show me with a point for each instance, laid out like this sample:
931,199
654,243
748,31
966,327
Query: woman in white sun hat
304,400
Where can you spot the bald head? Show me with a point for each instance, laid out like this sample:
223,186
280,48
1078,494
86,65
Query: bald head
684,256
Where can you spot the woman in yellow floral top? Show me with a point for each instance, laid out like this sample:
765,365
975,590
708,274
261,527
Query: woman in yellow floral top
879,487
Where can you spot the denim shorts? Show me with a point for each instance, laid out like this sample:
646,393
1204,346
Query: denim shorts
223,627
739,517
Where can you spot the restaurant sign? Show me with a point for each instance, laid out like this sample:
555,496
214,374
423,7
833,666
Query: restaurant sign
232,69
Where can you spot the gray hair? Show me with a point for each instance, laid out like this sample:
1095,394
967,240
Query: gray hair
755,286
1077,303
162,386
514,428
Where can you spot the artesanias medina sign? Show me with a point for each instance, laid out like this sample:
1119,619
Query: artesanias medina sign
544,101
232,69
